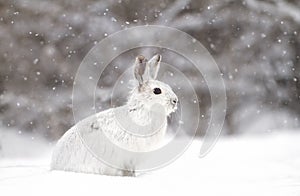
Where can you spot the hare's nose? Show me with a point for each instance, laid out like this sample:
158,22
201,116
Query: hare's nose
174,101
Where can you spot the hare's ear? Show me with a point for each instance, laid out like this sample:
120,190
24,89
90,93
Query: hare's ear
154,64
141,72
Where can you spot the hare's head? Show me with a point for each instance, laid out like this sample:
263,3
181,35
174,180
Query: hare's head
150,91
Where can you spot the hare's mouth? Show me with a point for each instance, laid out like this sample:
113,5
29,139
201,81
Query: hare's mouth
173,108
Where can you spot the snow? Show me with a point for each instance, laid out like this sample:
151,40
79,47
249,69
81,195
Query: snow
41,54
265,164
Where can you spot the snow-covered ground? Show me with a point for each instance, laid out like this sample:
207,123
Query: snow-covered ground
244,165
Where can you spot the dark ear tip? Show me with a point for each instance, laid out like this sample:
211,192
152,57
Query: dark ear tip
158,57
140,58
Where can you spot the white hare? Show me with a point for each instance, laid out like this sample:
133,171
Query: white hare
126,127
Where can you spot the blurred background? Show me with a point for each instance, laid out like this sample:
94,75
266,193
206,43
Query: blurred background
256,44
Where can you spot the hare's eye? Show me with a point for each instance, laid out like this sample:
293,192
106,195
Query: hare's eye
157,91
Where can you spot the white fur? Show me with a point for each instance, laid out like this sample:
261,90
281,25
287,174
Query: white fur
75,151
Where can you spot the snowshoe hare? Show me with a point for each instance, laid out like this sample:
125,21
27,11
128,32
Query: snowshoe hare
73,151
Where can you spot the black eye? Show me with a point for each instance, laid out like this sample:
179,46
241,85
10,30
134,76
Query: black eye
157,91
